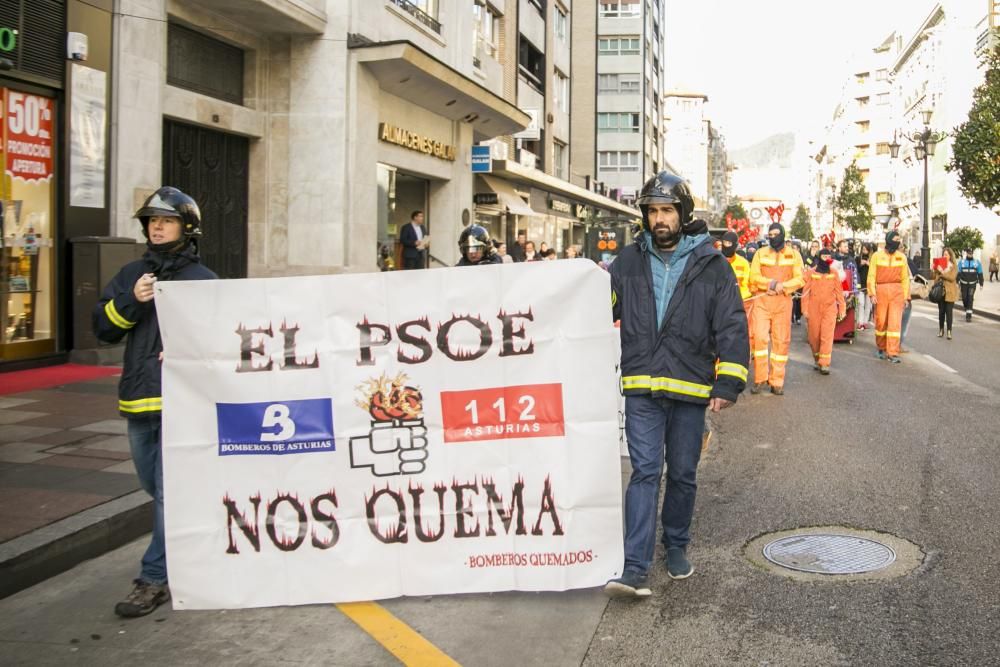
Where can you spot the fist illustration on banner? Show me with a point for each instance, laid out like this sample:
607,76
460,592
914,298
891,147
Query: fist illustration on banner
395,448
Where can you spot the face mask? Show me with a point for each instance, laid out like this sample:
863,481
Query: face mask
823,263
728,251
892,246
776,242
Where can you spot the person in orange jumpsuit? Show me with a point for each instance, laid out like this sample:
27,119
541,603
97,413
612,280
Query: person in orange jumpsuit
730,243
889,289
776,272
823,305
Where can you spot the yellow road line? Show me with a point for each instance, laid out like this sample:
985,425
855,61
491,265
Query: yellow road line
397,637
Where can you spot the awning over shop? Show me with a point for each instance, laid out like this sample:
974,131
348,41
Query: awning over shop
407,71
508,197
512,171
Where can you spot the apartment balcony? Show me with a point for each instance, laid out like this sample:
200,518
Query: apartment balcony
419,15
294,17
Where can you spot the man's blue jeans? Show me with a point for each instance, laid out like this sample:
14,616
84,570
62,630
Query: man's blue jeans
660,429
145,443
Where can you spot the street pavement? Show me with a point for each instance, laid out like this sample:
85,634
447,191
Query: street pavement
906,450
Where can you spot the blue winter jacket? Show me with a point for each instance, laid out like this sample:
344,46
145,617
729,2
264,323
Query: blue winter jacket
704,322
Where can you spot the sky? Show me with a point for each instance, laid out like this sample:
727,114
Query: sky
770,66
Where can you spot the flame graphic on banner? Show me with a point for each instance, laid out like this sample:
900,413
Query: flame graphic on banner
388,399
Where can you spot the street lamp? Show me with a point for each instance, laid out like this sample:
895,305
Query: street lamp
924,144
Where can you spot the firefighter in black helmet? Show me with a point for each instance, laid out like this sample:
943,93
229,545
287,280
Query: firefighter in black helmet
680,310
171,222
476,247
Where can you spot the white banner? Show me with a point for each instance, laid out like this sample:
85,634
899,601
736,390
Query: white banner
356,437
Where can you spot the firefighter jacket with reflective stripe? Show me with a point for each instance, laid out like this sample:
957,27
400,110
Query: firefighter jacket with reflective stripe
886,268
741,267
119,315
704,321
970,272
784,266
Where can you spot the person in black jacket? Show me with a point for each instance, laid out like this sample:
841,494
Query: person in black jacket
171,223
681,312
476,247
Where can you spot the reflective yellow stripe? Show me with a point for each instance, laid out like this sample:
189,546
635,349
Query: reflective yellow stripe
823,356
892,334
666,384
760,353
154,404
726,368
115,316
779,357
879,333
614,297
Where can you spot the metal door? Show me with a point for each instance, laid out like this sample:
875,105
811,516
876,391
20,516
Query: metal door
212,167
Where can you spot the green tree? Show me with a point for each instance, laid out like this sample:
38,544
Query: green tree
976,147
801,225
852,203
964,237
736,208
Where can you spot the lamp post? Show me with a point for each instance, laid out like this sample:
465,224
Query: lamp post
924,145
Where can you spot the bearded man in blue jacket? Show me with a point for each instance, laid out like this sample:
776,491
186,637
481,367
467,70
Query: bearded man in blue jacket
684,347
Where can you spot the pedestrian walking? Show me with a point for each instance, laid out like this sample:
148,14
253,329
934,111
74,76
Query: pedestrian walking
741,267
414,241
994,266
171,223
948,275
864,315
889,289
476,247
824,305
673,279
775,273
970,274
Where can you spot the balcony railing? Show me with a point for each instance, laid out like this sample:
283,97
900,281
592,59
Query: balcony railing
419,14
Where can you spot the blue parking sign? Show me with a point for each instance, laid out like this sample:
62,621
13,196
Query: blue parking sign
482,162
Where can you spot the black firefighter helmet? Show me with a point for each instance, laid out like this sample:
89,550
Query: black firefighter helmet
475,236
666,188
171,202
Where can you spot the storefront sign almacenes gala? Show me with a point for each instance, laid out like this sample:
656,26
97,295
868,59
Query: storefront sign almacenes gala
415,142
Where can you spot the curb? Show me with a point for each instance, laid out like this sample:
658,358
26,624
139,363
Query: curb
53,549
987,314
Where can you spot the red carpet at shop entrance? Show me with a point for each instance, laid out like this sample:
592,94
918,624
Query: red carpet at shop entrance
16,382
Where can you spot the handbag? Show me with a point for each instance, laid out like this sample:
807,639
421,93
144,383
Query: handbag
936,295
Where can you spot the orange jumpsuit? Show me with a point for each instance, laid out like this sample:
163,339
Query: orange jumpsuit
889,282
823,304
772,313
741,267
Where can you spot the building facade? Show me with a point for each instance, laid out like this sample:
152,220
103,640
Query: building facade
630,62
56,95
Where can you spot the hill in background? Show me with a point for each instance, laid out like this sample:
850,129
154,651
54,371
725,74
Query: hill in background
773,152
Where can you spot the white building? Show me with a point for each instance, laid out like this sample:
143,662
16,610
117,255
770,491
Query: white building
629,87
686,142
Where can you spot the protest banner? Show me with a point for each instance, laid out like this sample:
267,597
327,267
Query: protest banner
355,437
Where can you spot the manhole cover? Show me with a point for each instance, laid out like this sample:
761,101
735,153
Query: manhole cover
829,554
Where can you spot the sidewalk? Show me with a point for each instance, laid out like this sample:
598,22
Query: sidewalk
987,301
68,490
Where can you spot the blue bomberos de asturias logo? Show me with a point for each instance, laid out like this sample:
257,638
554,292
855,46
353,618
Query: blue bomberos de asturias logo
276,427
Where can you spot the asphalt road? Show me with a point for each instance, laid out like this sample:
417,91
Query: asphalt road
907,450
910,450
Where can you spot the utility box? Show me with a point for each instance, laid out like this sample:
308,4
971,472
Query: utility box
95,261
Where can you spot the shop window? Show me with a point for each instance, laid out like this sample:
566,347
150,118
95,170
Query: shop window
27,275
531,64
205,65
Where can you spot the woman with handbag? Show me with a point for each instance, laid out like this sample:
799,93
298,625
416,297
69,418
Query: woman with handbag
947,275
